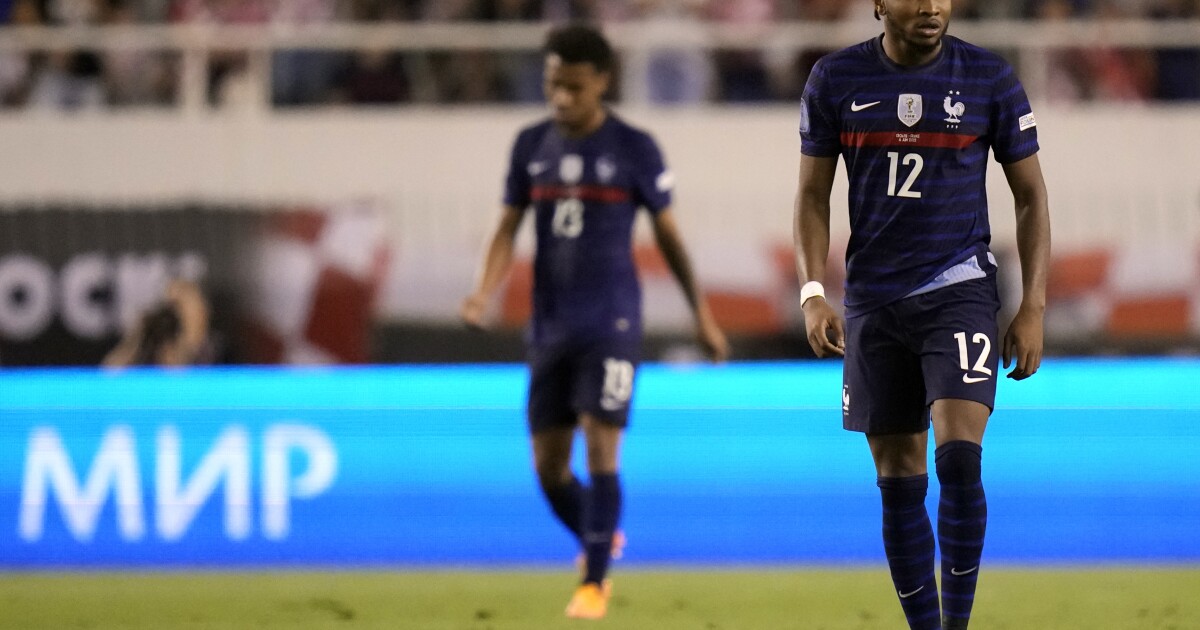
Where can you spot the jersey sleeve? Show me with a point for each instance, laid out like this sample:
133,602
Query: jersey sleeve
518,183
653,182
820,132
1013,126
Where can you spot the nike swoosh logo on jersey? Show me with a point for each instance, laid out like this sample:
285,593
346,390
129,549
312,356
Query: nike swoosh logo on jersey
974,379
907,595
855,107
536,168
954,571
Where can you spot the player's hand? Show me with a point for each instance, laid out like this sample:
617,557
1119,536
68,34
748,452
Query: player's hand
1023,343
473,310
826,332
713,341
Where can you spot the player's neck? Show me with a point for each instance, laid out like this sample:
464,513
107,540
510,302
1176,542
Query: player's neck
594,122
903,53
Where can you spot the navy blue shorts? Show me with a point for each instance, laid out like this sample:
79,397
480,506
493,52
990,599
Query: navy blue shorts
594,377
903,356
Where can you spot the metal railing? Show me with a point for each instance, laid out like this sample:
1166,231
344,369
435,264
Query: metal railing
1029,41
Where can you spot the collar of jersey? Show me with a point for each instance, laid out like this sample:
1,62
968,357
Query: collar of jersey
877,47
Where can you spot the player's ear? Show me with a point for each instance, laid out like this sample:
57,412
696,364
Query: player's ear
879,9
605,81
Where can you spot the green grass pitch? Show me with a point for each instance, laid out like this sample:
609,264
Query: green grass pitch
695,599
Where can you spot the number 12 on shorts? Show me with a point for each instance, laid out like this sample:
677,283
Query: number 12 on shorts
964,359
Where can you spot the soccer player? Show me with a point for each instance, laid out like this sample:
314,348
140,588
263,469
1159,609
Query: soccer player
585,172
913,113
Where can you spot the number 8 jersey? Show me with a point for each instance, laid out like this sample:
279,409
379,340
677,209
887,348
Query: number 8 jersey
915,141
585,193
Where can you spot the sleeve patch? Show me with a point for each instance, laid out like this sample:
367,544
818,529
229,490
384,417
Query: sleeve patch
1026,121
665,181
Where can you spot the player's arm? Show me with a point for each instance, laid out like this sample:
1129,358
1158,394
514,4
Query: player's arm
1024,338
826,332
192,309
124,353
666,234
497,259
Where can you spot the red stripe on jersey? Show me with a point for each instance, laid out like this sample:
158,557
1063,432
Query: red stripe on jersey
907,139
602,194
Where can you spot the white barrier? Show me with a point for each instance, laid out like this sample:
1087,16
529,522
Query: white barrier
1115,176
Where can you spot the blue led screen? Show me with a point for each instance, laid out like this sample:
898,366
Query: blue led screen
1090,461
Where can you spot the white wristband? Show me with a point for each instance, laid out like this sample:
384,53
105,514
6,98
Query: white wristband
811,289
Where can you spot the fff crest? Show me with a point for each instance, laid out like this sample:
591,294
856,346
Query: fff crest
909,109
570,169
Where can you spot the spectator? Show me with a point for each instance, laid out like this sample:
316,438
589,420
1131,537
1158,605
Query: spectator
17,68
1119,74
228,80
74,12
299,76
69,81
374,77
820,11
1066,68
136,76
172,333
742,75
1178,69
670,76
520,71
384,10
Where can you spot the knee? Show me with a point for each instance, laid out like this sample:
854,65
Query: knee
552,472
959,462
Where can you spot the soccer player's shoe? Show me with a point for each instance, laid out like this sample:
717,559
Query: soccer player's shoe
590,601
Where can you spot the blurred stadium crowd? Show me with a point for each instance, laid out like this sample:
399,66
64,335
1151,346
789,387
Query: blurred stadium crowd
88,79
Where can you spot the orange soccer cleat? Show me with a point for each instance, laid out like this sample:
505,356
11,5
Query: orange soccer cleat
590,601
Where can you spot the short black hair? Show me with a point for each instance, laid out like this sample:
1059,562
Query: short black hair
580,43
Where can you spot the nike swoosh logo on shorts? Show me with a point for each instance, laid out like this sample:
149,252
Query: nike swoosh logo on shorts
974,379
954,571
907,595
855,107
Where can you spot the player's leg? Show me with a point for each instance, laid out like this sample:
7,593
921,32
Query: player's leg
603,391
602,395
603,511
563,492
552,428
960,363
962,508
908,538
883,396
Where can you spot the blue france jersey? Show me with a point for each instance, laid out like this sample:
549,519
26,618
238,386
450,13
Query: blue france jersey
915,142
585,193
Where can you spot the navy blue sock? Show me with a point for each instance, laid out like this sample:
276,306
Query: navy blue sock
567,503
601,516
909,544
962,519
